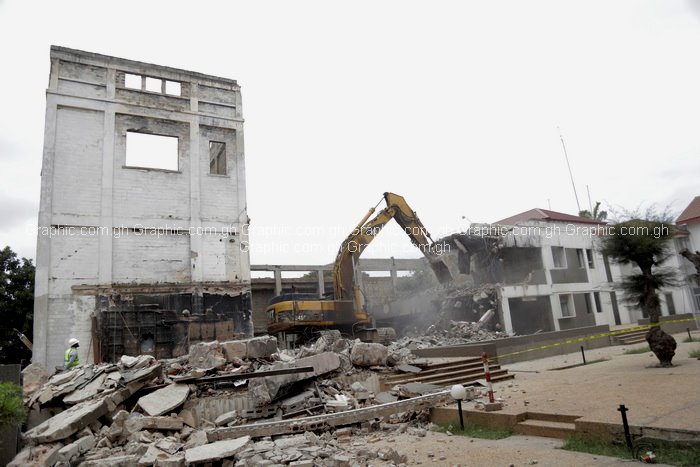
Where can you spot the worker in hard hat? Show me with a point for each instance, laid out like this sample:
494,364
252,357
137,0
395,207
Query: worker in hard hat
70,357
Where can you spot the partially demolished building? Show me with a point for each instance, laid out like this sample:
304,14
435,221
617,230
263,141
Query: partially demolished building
141,239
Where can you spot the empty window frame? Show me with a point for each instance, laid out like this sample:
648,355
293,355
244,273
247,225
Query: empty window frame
589,305
580,258
567,308
558,257
147,83
217,158
132,81
589,257
151,151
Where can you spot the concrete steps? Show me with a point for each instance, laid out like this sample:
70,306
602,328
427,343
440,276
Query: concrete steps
628,338
547,425
465,372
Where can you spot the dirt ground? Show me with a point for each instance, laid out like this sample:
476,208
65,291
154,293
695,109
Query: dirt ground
442,450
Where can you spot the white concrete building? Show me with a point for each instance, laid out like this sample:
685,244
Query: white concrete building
143,207
688,238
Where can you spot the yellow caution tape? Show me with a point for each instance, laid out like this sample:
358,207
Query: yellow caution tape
595,336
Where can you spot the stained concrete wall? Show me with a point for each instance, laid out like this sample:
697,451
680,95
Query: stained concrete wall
106,228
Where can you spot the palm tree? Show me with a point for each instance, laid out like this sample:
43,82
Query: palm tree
643,241
597,214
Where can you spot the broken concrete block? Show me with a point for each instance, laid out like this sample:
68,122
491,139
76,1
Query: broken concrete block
165,460
264,390
149,458
385,398
261,347
33,377
234,349
154,423
189,417
302,463
164,400
66,423
196,439
207,355
114,461
225,418
369,354
42,455
216,451
141,374
90,390
76,448
169,445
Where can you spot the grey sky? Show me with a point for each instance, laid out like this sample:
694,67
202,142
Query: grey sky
454,105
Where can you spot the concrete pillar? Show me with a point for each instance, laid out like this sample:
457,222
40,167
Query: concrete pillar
278,282
321,283
195,176
394,274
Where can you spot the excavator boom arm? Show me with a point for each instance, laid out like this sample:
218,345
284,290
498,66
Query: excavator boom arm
353,246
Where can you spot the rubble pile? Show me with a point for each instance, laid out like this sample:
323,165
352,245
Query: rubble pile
455,333
176,412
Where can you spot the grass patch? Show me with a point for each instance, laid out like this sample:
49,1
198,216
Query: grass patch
477,431
688,339
694,353
638,351
667,452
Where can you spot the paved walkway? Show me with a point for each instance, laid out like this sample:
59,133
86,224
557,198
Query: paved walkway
656,397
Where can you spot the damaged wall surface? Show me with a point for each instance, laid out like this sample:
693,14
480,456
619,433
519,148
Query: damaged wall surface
142,201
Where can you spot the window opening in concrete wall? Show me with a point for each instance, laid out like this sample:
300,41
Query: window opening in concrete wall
669,303
581,260
173,88
696,295
151,151
217,158
566,308
598,306
154,84
589,257
589,306
558,257
132,81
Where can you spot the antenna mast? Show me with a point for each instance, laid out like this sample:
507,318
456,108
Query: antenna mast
573,185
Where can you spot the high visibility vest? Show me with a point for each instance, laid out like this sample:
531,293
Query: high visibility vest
66,357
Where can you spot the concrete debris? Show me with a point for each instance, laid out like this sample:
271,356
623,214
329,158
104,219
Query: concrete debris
33,377
216,451
164,400
207,355
222,403
369,354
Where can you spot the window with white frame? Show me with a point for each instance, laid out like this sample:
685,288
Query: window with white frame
558,257
567,306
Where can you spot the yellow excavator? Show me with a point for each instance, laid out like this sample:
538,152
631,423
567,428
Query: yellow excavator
303,314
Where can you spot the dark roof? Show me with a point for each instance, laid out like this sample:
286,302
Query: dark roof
691,213
547,215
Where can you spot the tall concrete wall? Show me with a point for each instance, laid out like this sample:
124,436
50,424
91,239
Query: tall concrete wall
109,227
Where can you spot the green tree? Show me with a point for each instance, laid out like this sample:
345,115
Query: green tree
16,305
12,410
597,214
642,241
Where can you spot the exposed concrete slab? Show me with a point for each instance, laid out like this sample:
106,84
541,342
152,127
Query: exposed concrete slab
264,390
216,451
43,455
115,461
66,423
164,400
234,349
154,423
90,390
76,448
408,369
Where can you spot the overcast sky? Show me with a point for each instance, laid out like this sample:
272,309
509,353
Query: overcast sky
454,105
